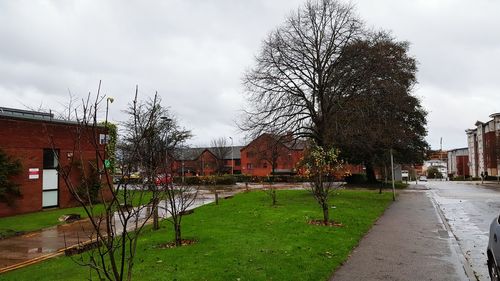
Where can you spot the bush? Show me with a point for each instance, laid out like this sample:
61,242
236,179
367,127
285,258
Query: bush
233,179
207,180
356,179
9,190
89,186
243,178
433,173
225,180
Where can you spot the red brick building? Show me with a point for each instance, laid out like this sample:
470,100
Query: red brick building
269,153
484,147
204,161
33,137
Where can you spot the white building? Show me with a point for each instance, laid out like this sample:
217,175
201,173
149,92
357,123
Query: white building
439,164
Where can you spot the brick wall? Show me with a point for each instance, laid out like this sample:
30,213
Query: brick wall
25,140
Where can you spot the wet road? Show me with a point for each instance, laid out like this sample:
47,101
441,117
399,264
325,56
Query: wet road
468,209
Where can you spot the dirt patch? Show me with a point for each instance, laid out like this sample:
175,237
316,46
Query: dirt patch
184,242
321,222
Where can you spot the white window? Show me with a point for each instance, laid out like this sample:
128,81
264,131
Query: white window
103,139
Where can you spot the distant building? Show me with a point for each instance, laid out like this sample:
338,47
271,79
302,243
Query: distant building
43,144
270,153
484,147
437,155
203,161
458,162
440,165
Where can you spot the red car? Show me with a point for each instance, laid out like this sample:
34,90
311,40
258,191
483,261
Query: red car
163,179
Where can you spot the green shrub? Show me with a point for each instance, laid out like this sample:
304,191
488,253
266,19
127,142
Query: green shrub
226,180
243,178
9,167
207,180
233,179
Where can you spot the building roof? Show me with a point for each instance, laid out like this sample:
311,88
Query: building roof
236,152
192,153
287,140
14,113
457,149
27,114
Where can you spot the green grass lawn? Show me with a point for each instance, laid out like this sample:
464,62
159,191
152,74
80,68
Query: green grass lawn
34,221
245,238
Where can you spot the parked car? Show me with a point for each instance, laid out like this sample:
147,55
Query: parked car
422,178
163,179
494,250
134,177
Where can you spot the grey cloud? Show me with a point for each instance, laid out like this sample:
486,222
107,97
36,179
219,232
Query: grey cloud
194,52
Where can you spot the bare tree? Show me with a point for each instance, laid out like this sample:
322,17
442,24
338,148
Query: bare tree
269,151
296,84
156,132
293,88
222,151
70,108
117,227
179,199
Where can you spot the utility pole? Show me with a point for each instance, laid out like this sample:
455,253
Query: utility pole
392,174
441,153
232,158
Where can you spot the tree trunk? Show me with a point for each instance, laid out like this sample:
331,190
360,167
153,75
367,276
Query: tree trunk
216,198
156,220
370,172
382,184
178,240
326,215
273,195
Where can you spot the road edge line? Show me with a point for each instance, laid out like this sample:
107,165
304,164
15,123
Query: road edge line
469,272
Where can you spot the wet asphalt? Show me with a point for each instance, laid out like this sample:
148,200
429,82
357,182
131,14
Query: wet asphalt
434,231
469,208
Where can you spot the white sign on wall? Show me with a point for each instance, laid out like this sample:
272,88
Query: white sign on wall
33,173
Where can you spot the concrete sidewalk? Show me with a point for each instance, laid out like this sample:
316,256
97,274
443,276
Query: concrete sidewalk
409,242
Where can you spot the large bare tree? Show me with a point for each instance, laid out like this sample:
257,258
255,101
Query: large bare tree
298,80
293,86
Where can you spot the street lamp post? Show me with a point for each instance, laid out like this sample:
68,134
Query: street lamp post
232,158
392,174
182,170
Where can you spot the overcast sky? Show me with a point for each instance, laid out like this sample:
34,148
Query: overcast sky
193,52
